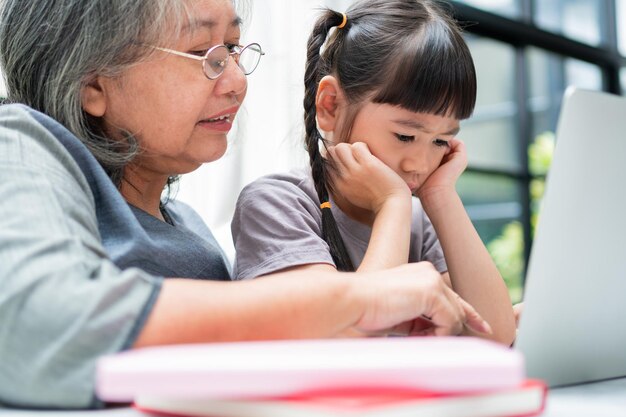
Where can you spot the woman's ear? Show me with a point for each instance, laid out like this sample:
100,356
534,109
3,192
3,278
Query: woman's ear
93,98
329,96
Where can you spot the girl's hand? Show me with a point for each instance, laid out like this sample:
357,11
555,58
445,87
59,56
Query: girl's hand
444,178
517,312
363,179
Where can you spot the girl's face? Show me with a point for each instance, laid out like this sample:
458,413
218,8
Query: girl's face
180,117
412,144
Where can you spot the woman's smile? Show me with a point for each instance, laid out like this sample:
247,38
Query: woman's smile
220,122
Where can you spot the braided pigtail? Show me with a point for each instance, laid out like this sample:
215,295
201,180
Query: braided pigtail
316,67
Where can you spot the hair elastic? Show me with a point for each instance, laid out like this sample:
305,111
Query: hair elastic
343,23
325,205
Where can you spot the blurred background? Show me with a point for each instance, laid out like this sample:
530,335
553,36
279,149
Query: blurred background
527,52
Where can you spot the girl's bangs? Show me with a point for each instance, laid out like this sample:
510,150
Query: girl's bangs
434,73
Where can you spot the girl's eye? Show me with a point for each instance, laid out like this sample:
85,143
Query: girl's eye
441,143
405,138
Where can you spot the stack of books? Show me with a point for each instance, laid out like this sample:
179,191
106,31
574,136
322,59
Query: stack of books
391,377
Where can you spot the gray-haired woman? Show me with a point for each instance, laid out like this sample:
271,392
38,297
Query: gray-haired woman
115,98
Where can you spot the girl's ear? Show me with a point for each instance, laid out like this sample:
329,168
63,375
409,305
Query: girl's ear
327,102
93,97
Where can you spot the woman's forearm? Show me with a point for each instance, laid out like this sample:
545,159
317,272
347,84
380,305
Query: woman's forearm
306,304
314,304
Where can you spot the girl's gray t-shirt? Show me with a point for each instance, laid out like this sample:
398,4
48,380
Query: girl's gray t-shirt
277,225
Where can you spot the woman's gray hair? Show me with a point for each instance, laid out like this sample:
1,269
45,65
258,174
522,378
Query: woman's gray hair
50,49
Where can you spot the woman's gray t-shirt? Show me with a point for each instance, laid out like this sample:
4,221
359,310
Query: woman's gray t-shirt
277,225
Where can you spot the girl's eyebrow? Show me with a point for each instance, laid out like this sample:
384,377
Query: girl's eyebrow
418,126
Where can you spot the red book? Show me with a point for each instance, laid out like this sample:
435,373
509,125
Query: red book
525,400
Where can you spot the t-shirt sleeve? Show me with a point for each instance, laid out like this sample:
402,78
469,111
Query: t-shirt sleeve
63,303
276,225
431,247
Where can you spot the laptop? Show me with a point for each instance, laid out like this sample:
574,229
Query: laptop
573,328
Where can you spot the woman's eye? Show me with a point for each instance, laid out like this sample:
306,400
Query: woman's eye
441,143
199,53
405,138
233,47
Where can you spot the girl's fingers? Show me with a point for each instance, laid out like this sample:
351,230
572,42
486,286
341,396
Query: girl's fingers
343,154
361,152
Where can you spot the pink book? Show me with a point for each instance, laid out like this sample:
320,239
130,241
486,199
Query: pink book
256,370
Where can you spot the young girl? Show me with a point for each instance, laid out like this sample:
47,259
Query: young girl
387,87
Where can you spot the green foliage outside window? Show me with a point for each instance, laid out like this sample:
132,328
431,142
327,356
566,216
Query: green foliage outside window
507,250
539,159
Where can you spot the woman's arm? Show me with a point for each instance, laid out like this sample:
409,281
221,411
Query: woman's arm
473,274
63,303
306,304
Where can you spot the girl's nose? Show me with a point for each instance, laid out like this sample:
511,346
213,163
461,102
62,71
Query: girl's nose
416,163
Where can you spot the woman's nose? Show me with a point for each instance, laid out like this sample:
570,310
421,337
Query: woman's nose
233,80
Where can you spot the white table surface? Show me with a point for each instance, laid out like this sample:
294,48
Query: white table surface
600,399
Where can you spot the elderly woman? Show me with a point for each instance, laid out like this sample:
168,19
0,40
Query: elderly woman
113,99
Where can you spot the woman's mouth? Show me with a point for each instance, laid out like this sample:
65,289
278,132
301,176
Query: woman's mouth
222,122
225,118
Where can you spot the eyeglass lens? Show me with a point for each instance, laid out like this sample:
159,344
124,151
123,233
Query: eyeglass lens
248,58
215,62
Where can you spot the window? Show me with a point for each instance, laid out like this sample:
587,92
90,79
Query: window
621,28
576,19
527,52
510,8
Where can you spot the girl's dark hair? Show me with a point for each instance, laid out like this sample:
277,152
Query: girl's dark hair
407,53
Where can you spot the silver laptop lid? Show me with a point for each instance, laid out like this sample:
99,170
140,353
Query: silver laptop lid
573,328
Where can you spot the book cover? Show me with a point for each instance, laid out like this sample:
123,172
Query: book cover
283,368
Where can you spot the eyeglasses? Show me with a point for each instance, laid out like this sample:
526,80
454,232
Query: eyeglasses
215,60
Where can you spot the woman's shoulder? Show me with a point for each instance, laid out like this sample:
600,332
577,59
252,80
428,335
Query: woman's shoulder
21,130
34,141
27,121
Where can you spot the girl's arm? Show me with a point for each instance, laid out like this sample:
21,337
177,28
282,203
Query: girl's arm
473,274
366,182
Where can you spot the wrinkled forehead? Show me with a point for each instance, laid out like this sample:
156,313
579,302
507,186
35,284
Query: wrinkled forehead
209,15
188,19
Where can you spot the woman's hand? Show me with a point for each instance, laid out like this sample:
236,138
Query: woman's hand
364,180
414,300
444,178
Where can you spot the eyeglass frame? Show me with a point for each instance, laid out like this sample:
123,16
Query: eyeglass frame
206,57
